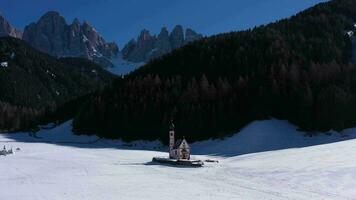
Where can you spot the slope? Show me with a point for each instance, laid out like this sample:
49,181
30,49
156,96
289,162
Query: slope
33,84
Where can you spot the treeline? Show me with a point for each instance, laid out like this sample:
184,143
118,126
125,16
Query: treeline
296,69
16,117
141,108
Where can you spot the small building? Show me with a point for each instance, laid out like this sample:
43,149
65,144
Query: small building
179,149
350,33
4,64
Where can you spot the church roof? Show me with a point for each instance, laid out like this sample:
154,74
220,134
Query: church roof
178,143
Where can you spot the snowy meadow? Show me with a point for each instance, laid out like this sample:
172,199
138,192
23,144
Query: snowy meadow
266,160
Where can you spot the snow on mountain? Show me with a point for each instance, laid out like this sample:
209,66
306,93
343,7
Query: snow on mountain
122,66
53,169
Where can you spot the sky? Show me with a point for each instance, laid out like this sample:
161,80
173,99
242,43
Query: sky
122,20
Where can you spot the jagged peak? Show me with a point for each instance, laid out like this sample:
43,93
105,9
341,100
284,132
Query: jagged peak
53,17
87,26
51,34
145,35
164,29
51,14
178,28
164,32
86,23
76,21
148,47
189,30
145,31
7,29
191,33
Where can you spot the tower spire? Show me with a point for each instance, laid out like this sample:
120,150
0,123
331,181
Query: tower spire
171,125
171,139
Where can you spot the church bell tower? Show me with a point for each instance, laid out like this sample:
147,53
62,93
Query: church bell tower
171,139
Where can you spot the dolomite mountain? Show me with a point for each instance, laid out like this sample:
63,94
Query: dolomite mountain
148,47
52,35
7,30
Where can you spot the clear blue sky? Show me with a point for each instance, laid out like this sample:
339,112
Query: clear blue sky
122,20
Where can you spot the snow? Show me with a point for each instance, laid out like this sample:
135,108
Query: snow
4,64
85,39
269,135
266,160
350,33
123,67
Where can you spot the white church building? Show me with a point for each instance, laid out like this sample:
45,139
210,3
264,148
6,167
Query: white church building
179,149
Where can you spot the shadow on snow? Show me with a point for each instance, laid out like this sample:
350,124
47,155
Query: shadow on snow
258,136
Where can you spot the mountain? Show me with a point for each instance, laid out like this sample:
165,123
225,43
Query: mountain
33,85
7,30
148,47
298,69
52,35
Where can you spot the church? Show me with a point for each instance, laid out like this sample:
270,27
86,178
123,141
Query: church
179,149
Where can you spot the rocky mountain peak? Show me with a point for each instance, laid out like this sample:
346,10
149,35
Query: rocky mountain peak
76,22
144,36
52,22
7,30
164,33
191,35
177,37
51,14
52,35
148,47
88,27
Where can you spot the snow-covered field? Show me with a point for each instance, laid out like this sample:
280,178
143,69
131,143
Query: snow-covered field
267,160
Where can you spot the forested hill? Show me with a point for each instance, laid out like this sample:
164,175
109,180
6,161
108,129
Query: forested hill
296,69
33,85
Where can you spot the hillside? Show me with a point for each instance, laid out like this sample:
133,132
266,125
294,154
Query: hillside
35,84
298,69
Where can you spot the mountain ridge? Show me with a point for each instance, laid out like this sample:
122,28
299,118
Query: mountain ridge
148,47
6,29
51,34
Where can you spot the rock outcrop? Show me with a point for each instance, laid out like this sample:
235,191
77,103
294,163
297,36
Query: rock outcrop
7,30
52,35
148,47
191,36
177,37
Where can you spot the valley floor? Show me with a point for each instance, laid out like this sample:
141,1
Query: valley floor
76,167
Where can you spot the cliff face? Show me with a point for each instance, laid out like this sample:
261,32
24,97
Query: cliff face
148,47
52,35
7,30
